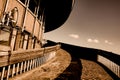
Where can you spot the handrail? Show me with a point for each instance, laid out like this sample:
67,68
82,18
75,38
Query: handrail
111,61
22,55
18,62
111,56
115,68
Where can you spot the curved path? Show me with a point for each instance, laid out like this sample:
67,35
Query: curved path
63,67
81,69
49,70
93,71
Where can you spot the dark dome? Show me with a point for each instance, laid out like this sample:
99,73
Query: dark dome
56,12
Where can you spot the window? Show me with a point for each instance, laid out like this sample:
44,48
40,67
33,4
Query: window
32,5
23,1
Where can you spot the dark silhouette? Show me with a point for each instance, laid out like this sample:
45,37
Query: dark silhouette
73,71
56,12
80,52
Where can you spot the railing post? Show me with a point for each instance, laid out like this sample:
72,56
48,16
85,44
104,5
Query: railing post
35,62
32,63
24,66
8,72
21,68
13,70
28,63
3,71
18,64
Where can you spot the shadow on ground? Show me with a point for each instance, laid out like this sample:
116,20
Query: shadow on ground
74,71
92,54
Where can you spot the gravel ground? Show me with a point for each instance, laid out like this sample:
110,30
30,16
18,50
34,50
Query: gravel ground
81,69
92,71
63,67
49,70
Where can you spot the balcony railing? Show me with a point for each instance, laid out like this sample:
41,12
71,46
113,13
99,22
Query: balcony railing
18,62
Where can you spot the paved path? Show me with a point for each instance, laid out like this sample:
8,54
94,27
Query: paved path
81,69
71,69
49,70
93,71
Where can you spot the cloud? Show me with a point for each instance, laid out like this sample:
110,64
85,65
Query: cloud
76,36
108,42
93,40
96,41
90,40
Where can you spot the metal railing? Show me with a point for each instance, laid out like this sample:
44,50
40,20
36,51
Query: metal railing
19,62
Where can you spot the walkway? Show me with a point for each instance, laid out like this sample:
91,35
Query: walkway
79,69
92,71
49,70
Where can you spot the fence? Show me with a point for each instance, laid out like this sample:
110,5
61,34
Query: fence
111,61
19,62
112,65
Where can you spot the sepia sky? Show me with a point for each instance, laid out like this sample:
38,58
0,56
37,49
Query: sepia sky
93,24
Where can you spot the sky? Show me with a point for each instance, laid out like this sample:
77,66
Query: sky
92,24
